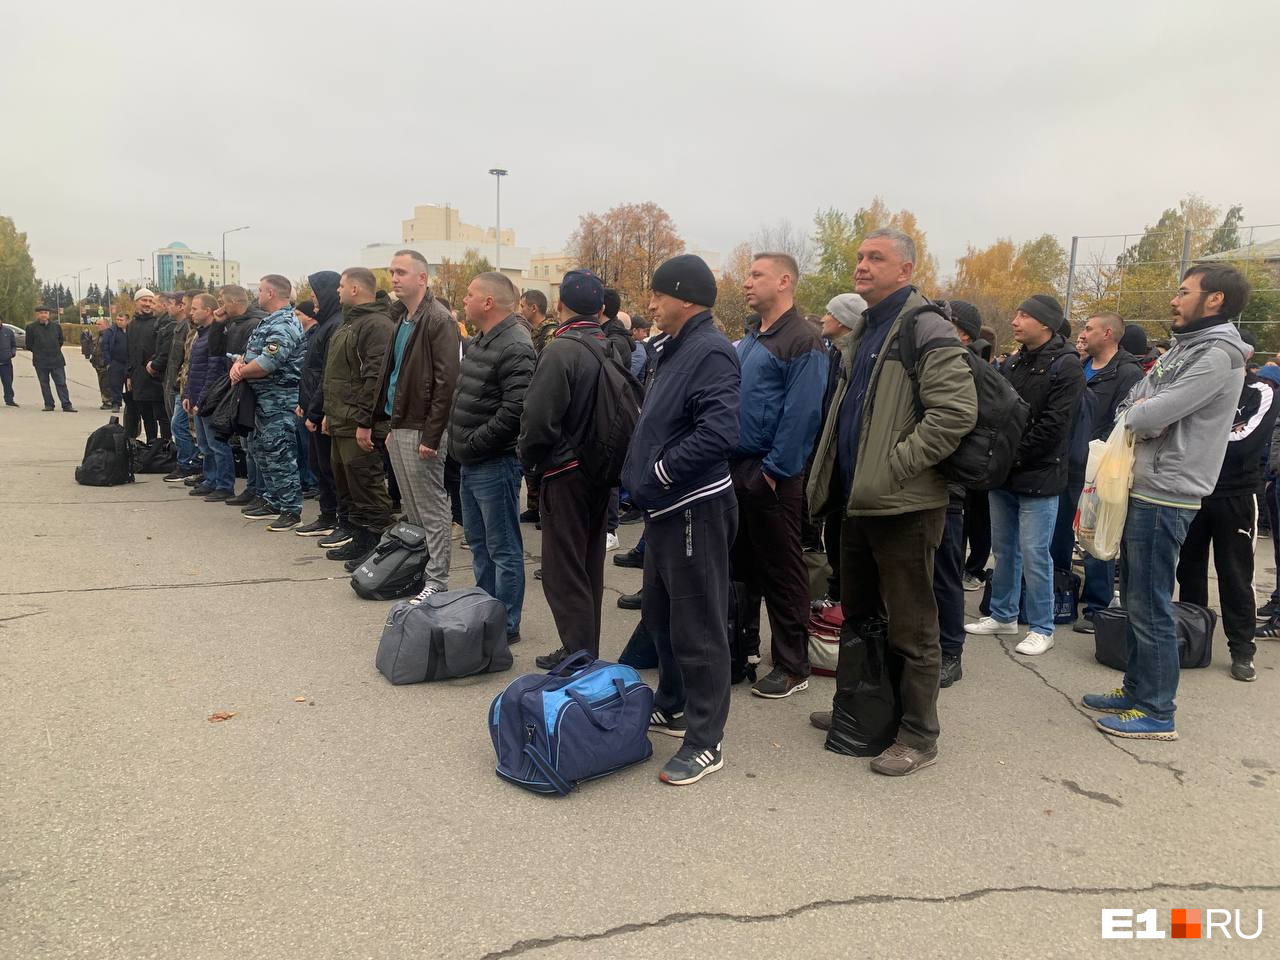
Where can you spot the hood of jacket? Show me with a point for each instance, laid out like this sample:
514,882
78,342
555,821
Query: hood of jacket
324,286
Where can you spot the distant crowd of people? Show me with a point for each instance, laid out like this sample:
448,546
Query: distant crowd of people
806,433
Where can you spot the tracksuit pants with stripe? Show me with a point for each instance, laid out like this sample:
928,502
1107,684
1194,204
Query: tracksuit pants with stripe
1230,525
685,607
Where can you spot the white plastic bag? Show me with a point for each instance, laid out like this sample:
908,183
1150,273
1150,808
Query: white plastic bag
1104,502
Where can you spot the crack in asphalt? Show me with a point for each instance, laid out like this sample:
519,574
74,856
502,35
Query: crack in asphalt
1178,773
871,899
172,586
19,616
1075,787
83,503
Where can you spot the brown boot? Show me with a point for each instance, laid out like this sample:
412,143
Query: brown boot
900,760
821,719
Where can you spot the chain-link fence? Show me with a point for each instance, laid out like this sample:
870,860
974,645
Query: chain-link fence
1137,274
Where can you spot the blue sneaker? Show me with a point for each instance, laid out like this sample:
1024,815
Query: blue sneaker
1136,725
1117,701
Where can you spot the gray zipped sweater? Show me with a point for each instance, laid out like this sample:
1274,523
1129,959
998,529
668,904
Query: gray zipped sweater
1181,416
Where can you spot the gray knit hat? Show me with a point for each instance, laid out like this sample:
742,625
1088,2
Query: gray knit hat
847,308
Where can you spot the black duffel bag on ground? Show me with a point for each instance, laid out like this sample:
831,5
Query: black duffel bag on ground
395,568
1195,626
156,456
867,707
107,457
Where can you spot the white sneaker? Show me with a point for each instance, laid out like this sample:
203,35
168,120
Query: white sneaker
610,542
1034,644
991,627
426,592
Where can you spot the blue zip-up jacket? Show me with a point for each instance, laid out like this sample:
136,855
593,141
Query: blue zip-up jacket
680,448
198,367
784,378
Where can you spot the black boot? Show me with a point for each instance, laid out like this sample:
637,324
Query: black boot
950,672
362,541
370,545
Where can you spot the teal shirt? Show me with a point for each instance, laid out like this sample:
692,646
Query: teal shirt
402,338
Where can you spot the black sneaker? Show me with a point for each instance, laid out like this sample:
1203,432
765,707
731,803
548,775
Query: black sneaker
261,510
177,476
286,521
357,547
218,496
311,493
821,719
70,410
513,638
1269,630
15,403
105,406
1242,669
629,601
668,724
1268,610
549,661
242,499
630,558
321,526
1083,625
341,536
199,490
193,479
631,516
49,409
779,684
537,574
691,764
951,671
530,516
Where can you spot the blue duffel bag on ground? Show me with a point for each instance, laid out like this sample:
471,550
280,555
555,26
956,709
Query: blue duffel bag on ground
582,720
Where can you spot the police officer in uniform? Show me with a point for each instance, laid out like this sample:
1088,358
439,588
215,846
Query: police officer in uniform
272,363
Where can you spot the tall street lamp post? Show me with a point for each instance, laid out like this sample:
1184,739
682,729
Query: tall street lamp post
106,290
224,249
498,174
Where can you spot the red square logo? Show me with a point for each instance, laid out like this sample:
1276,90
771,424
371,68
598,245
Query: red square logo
1186,924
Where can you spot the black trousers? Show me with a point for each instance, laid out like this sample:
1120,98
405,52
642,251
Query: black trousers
320,456
768,558
887,570
831,540
574,512
531,491
1230,525
685,607
948,582
453,486
977,532
147,415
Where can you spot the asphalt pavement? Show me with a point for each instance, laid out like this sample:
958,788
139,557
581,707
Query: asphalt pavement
335,815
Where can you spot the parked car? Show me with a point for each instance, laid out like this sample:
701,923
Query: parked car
19,334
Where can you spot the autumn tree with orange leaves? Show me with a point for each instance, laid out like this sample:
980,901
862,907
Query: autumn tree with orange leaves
624,246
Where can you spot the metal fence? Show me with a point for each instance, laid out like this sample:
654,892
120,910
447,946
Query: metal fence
1136,275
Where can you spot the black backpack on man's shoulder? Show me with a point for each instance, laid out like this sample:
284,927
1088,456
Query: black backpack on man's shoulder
603,447
985,454
107,461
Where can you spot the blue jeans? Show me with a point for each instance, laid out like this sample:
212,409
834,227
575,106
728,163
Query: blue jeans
219,462
305,476
491,523
1099,584
252,483
180,425
1149,551
1021,530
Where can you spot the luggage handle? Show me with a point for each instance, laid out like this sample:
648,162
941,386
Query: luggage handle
590,711
572,664
561,785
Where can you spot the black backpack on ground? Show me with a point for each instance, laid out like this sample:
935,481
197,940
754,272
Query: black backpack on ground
107,461
396,566
614,415
985,454
1194,625
155,456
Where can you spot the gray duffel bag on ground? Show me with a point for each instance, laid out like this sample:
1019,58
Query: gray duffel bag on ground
453,634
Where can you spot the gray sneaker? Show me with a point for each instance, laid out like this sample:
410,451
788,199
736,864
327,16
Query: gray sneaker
900,760
779,684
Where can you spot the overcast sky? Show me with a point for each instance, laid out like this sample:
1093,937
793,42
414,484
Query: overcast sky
130,125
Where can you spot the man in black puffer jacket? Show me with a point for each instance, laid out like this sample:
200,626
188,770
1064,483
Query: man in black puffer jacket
677,471
324,287
484,423
1046,373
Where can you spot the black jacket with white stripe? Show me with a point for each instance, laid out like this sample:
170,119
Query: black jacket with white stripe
1250,441
679,452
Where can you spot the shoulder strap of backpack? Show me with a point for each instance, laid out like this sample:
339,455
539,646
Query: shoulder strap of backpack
910,354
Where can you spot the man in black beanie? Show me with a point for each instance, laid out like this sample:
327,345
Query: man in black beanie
559,409
1046,373
677,472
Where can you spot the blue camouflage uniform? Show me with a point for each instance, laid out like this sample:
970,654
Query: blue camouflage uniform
278,344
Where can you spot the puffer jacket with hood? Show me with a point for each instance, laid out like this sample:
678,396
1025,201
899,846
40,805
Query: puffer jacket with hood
1181,414
324,287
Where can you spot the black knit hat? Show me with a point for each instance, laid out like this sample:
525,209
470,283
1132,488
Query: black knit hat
967,317
1044,309
1134,340
686,277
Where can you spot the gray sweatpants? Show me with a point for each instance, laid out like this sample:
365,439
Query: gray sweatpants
424,498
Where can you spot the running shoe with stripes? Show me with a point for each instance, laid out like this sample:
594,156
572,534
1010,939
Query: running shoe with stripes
668,724
691,764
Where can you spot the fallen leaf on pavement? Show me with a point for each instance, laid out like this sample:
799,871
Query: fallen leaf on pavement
220,715
299,699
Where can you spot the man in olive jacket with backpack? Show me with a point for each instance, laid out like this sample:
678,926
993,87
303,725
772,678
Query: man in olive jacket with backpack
879,460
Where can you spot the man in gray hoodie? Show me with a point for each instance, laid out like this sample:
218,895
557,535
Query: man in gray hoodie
1181,417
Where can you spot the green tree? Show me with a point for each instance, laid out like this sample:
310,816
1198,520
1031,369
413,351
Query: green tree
19,290
452,279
